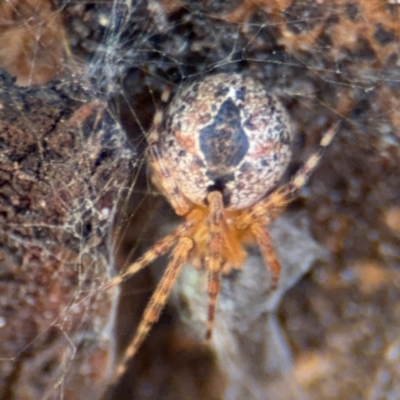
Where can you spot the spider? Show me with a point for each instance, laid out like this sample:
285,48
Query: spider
217,153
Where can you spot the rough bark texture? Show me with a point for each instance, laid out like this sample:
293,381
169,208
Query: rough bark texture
63,164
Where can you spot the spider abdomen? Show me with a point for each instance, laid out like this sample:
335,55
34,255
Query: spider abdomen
225,133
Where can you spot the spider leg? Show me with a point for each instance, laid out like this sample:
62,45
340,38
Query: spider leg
156,251
270,207
267,250
163,179
215,249
157,302
303,175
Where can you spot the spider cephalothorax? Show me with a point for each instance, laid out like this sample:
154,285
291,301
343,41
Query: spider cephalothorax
217,153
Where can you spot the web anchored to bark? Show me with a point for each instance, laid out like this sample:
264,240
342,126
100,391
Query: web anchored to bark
63,165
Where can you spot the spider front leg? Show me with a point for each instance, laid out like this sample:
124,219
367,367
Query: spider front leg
304,173
269,208
215,250
157,302
268,253
156,251
164,181
272,205
161,173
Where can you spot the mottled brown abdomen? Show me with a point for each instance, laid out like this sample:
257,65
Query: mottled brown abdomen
225,133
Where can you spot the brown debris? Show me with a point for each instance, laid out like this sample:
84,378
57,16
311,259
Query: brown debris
32,41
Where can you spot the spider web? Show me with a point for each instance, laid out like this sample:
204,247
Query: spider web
66,165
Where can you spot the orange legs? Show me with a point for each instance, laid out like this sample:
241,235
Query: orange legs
261,214
271,206
183,247
157,301
159,249
218,243
271,260
214,263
